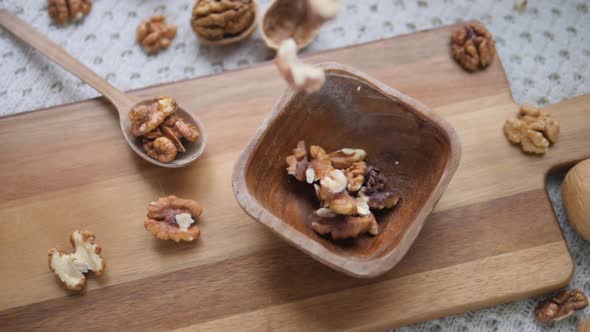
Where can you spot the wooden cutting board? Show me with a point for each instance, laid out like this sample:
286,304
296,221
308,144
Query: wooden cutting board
493,237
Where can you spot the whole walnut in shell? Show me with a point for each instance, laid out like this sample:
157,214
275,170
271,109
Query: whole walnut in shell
576,198
224,21
473,46
172,218
66,11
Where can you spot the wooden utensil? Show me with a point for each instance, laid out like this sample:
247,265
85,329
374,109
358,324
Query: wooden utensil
492,237
123,102
352,110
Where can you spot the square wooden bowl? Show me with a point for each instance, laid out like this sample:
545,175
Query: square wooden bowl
415,149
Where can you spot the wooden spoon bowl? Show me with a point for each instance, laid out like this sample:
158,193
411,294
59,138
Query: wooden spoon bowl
416,150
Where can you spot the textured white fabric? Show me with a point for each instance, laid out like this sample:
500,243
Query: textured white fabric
545,51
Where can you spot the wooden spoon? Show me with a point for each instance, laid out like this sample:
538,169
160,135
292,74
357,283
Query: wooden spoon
123,102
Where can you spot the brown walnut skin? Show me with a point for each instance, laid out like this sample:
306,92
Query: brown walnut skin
154,34
473,46
345,227
161,149
560,306
218,19
533,129
162,223
65,11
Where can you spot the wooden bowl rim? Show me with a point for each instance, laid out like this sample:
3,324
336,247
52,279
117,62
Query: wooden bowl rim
352,266
235,39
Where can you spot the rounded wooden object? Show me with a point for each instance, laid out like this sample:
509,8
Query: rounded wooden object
235,39
584,326
576,198
415,149
286,19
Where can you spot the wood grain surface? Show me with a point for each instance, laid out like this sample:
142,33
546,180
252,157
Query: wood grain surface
492,238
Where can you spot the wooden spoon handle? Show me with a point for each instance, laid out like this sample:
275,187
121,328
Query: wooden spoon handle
29,35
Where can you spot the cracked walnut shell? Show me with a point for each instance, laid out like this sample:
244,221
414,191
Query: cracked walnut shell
66,11
172,218
223,22
70,268
560,306
533,129
154,34
473,46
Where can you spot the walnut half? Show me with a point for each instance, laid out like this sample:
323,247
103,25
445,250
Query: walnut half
155,34
300,76
172,218
66,11
533,129
561,306
70,268
473,46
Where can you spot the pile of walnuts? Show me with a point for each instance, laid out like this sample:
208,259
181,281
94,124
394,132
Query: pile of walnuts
160,130
533,129
347,188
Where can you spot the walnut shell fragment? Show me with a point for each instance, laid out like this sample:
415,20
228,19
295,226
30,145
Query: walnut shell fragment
155,34
222,22
560,306
297,20
473,46
70,268
172,218
65,11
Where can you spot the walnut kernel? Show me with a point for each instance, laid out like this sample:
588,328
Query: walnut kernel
345,227
70,268
344,158
320,161
162,149
355,174
66,11
300,76
214,20
473,46
561,306
145,118
154,34
533,129
298,164
172,218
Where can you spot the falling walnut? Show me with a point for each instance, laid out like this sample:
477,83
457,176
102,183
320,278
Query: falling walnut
533,129
173,218
160,130
155,34
562,305
224,21
65,11
70,268
300,76
473,46
346,187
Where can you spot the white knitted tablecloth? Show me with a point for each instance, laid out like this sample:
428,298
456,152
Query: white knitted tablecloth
545,51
